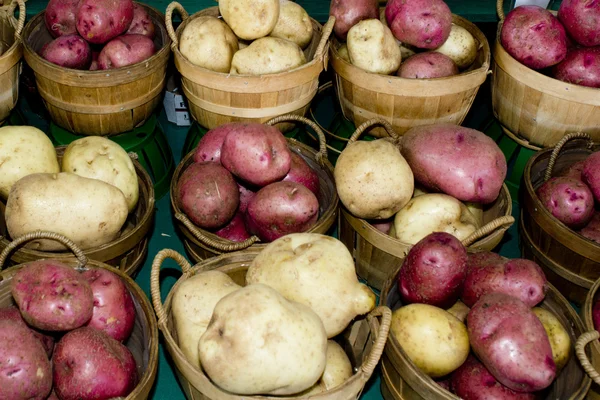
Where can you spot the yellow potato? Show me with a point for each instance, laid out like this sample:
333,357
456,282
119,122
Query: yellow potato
337,370
372,47
267,55
459,310
560,342
460,46
293,24
250,19
343,52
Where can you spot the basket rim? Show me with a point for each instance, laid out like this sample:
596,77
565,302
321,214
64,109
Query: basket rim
588,304
13,47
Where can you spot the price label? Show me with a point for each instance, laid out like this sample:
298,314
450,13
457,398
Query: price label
541,3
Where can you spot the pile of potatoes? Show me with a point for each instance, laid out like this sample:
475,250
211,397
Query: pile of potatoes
412,39
87,196
438,178
301,292
249,38
472,321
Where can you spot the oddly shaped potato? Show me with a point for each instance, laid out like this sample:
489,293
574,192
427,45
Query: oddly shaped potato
24,150
337,370
460,46
267,55
557,334
100,158
372,47
250,19
293,24
208,43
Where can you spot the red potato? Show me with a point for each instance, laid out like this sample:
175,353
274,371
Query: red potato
568,199
94,63
445,383
114,310
482,258
521,278
208,194
60,17
246,195
382,225
592,229
425,24
534,37
581,18
590,174
26,372
53,396
99,21
125,50
52,296
142,23
69,51
573,171
472,381
509,339
235,230
88,364
209,146
348,13
300,172
256,153
427,65
478,165
581,66
13,314
433,271
281,208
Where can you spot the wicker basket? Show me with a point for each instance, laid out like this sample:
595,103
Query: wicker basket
11,50
216,98
127,252
537,110
377,254
202,244
570,261
363,340
403,380
404,102
590,337
99,102
143,341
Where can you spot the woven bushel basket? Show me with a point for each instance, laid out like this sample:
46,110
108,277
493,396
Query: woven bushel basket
11,51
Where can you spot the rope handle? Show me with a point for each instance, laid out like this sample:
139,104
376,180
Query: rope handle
155,281
322,154
22,15
583,341
558,147
504,222
375,121
225,248
323,47
500,9
28,237
169,21
381,331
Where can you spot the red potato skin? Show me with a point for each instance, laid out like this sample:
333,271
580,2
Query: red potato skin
472,381
142,23
574,170
534,37
433,271
521,278
348,13
208,195
209,146
69,51
13,314
382,225
590,174
300,172
581,67
425,24
53,396
25,371
281,208
478,165
125,50
246,195
60,17
52,296
94,63
427,65
581,18
89,364
592,229
596,314
235,230
511,342
99,21
482,259
568,199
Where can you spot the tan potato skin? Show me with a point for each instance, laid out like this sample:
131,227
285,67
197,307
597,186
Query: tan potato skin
460,46
337,370
372,47
250,19
268,55
88,211
293,24
560,342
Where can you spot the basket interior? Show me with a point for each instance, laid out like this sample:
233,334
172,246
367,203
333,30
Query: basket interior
7,33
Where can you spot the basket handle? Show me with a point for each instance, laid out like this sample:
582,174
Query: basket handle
381,331
500,9
583,341
186,267
375,121
558,147
169,21
22,15
28,237
323,48
504,221
233,246
322,154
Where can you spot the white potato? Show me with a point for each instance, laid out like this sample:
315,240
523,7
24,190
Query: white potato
337,370
24,150
343,52
250,19
88,211
267,55
100,158
293,24
208,42
460,46
560,342
372,47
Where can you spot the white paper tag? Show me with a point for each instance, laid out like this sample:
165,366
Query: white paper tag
541,3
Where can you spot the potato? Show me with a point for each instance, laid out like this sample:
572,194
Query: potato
99,21
460,46
246,195
427,65
60,17
293,24
534,37
592,229
459,310
208,42
433,212
372,47
24,150
87,211
511,342
142,22
209,146
348,13
478,165
302,173
101,158
435,340
581,19
337,370
250,19
343,52
125,50
69,51
482,258
568,199
425,24
573,171
581,66
235,230
590,174
558,336
268,55
13,314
